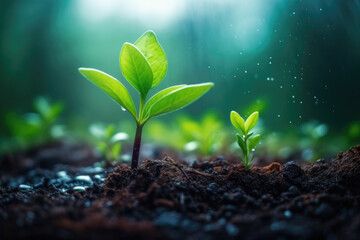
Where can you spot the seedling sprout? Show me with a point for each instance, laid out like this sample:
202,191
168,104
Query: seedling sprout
247,142
144,65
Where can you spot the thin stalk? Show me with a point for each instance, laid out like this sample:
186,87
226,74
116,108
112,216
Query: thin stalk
137,140
136,147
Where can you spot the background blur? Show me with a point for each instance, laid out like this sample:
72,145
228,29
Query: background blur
298,60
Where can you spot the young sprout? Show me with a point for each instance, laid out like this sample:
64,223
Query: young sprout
39,125
203,136
246,140
144,65
108,141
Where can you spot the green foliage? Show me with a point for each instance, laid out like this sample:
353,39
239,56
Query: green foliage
204,136
108,141
37,126
246,141
144,65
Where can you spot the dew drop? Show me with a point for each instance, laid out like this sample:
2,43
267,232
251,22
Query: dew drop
122,108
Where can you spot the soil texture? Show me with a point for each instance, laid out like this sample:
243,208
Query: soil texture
60,191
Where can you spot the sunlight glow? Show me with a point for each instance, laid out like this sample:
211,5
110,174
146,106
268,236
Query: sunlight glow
154,13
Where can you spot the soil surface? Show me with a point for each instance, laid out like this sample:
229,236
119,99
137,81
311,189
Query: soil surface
59,191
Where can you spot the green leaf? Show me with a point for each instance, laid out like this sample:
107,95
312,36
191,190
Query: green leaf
159,95
115,151
111,87
109,131
237,121
251,121
242,144
135,68
254,141
179,98
155,55
102,147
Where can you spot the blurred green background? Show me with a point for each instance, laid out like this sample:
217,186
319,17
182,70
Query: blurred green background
297,61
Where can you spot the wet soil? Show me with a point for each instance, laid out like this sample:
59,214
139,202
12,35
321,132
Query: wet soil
59,191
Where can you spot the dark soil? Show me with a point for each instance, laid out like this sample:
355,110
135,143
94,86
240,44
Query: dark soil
60,192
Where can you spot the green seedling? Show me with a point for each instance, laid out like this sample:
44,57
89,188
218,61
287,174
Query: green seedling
108,141
38,125
204,136
246,140
144,65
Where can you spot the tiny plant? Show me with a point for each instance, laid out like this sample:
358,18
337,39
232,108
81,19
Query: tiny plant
144,65
246,140
39,125
108,141
203,136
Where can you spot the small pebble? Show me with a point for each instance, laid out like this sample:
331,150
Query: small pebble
79,188
288,214
24,187
84,178
63,175
99,177
231,229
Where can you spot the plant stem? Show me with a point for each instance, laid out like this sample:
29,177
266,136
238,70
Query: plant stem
136,147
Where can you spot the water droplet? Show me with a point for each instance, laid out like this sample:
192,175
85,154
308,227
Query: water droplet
245,71
209,67
281,86
293,13
269,62
293,96
278,115
258,64
122,108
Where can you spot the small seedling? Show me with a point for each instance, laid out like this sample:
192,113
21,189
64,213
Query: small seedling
203,136
38,125
144,65
246,140
108,141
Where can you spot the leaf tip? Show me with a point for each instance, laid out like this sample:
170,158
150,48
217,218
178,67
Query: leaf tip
150,32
